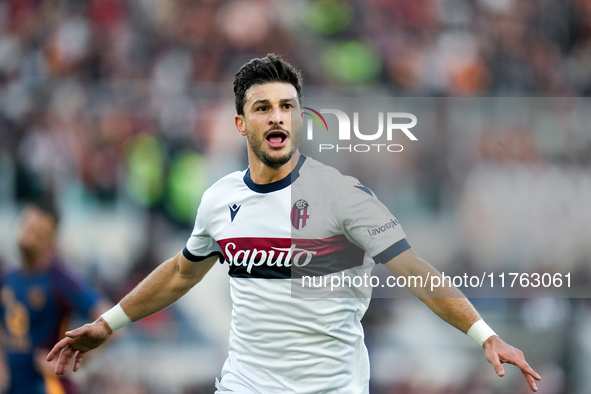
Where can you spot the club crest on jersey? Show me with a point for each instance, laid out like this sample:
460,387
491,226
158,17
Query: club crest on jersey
300,214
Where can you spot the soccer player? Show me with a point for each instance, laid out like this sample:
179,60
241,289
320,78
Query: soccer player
36,301
259,221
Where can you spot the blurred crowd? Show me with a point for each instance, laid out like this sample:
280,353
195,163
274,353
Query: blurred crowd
123,97
111,103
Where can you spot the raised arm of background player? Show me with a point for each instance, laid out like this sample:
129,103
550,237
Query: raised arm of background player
162,287
451,305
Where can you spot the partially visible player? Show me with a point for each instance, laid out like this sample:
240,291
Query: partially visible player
260,222
36,301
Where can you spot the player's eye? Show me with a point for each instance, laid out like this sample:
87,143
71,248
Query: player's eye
262,108
287,106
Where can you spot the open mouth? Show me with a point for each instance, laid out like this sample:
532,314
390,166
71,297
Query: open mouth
276,138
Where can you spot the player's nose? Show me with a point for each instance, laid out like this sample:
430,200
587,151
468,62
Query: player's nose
276,116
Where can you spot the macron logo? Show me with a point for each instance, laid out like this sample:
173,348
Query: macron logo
233,211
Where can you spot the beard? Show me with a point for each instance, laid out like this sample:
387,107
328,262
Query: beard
27,252
273,161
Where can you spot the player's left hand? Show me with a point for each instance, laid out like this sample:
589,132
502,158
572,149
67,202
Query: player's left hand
498,352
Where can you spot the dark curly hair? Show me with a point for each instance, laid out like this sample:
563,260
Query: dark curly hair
270,68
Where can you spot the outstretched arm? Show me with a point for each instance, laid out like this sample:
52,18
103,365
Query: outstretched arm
451,305
166,284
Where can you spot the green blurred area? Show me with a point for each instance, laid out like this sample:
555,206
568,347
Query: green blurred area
352,62
146,160
328,17
187,181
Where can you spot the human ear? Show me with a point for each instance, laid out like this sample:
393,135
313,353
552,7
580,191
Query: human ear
240,123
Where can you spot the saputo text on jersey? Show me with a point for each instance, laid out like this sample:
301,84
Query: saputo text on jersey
257,257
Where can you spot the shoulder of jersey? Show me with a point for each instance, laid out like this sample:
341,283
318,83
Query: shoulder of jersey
328,174
64,276
313,167
225,184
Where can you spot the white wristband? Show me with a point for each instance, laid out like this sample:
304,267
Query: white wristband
480,332
116,318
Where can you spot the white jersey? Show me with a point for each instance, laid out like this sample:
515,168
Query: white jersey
315,222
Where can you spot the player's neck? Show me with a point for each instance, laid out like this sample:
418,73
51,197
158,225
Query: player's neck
262,174
38,262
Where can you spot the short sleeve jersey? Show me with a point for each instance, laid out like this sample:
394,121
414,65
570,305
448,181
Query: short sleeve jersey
34,309
314,223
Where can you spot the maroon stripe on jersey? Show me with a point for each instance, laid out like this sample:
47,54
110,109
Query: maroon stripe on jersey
324,246
282,258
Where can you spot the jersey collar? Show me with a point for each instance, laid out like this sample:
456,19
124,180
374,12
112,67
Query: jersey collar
277,185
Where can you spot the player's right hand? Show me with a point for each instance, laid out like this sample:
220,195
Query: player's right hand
77,342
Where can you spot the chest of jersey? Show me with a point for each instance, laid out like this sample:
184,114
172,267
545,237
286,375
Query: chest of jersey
281,234
30,310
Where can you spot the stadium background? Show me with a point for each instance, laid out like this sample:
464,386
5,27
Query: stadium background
123,110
